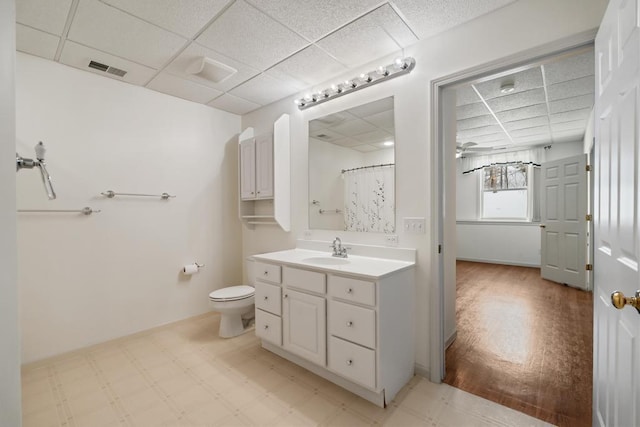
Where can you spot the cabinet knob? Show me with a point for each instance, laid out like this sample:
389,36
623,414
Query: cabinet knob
266,298
349,362
266,273
285,296
258,192
252,192
266,326
349,291
349,324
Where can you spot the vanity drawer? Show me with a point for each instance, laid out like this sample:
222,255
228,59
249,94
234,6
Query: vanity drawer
267,272
268,327
357,324
360,291
352,361
311,281
267,298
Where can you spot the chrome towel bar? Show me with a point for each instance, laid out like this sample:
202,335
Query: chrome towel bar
111,194
85,211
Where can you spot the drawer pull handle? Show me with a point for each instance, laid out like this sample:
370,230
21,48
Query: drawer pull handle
349,324
349,362
266,298
266,273
349,291
266,326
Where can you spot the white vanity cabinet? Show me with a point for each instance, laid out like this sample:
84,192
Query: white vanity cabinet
354,330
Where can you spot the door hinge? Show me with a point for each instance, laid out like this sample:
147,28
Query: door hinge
589,267
439,249
588,217
588,168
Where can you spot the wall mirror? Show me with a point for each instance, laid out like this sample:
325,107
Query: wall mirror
352,171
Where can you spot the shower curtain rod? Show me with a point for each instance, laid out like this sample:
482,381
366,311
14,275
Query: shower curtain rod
368,167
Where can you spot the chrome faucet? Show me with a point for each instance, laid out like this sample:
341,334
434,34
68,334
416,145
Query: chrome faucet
339,250
25,163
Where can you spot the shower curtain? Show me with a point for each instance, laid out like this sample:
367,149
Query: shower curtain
369,199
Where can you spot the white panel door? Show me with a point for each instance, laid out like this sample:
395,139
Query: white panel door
304,320
616,358
248,169
264,166
563,208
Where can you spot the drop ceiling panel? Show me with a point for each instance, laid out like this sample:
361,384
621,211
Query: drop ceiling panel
529,140
365,148
466,95
537,130
522,81
354,127
382,105
176,86
314,19
490,139
375,35
519,100
327,135
570,68
522,113
110,30
581,86
194,52
36,42
568,116
263,90
527,123
79,56
347,142
568,104
310,66
471,110
476,122
484,130
382,120
46,15
375,136
247,35
184,17
579,125
429,17
233,104
568,136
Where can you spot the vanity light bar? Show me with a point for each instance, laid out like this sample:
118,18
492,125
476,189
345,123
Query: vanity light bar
383,73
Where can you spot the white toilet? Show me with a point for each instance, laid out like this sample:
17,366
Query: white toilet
235,305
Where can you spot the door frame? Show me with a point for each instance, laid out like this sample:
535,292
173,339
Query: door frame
440,166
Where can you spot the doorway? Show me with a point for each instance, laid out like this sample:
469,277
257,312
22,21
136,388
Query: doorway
502,302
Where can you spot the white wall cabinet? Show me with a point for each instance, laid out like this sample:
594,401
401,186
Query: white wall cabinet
355,331
256,168
248,169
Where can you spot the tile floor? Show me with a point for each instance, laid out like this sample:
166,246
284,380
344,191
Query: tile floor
183,374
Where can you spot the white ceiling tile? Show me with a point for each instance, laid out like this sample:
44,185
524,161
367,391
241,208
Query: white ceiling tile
326,135
519,100
522,81
429,17
537,130
527,123
351,128
365,148
579,125
371,108
569,116
79,56
45,15
36,42
491,139
466,95
310,66
233,104
533,139
105,28
568,89
247,35
476,122
263,90
182,88
314,19
571,68
568,104
347,142
372,36
184,17
522,113
471,110
383,120
375,136
194,52
479,131
568,136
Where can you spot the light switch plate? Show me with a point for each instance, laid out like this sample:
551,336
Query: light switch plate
416,225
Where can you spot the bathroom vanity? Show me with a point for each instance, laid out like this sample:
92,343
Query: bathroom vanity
349,320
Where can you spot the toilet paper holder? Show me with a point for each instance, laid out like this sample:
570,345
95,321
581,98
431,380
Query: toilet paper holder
199,265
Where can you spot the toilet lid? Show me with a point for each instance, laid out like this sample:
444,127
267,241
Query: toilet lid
232,293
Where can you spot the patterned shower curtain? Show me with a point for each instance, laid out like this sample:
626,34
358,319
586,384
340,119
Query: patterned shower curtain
369,199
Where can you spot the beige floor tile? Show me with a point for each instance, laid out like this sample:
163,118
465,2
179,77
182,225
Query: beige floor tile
129,385
347,418
101,417
293,418
425,400
176,384
456,417
33,402
209,414
317,408
141,401
290,393
264,411
242,394
368,409
47,417
191,397
80,387
88,402
158,415
401,418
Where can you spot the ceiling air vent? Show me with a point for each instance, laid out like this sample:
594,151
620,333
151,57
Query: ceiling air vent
107,69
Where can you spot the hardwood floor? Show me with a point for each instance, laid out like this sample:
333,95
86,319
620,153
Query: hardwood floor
523,342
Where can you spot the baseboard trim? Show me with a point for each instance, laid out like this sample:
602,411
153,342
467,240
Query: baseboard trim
421,370
497,261
451,339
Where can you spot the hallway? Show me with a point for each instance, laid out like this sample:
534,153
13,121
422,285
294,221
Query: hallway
523,342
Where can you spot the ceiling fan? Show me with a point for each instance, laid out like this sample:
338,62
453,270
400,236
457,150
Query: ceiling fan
470,147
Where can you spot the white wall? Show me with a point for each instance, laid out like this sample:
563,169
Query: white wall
84,280
513,244
521,25
10,409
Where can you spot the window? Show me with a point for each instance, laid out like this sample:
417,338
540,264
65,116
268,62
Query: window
506,192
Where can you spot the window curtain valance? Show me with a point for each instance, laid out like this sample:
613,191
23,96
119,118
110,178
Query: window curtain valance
472,163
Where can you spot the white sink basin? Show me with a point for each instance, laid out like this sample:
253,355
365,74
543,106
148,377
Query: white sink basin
321,260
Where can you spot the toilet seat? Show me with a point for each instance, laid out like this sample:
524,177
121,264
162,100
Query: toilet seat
232,293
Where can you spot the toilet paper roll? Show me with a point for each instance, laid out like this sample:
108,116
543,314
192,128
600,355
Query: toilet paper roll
190,269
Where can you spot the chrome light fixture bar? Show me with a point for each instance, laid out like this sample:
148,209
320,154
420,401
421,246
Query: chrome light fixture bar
399,67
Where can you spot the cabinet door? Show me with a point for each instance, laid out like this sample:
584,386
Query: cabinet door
264,166
304,321
248,169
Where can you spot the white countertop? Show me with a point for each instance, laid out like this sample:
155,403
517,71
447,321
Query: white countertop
355,264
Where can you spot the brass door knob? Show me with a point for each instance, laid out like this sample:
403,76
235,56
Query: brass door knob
543,226
619,300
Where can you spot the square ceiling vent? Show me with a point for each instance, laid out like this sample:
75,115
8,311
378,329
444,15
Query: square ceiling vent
210,69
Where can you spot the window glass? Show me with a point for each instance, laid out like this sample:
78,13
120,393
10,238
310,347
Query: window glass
505,177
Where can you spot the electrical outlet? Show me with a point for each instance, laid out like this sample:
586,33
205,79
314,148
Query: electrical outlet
307,234
415,225
391,240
